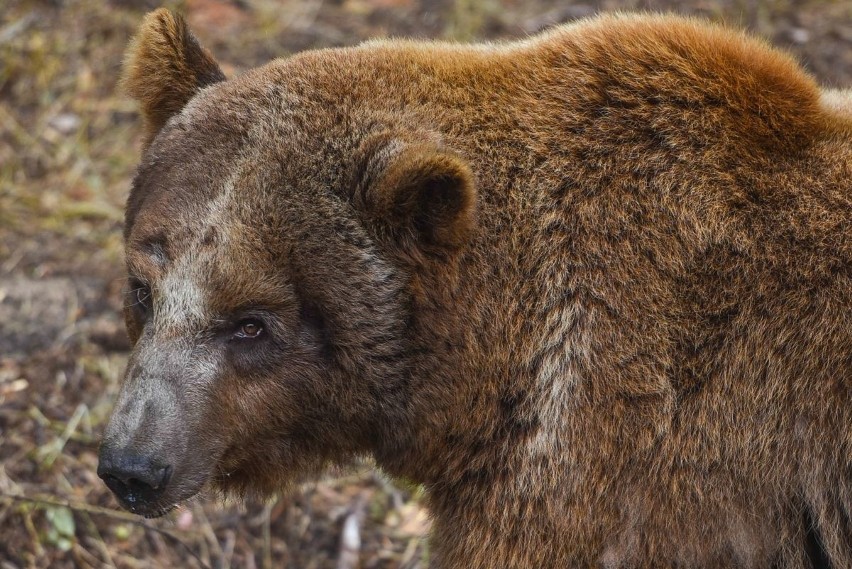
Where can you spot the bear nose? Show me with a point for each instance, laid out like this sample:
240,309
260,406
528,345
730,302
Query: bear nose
135,479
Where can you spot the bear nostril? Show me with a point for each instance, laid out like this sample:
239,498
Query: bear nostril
159,479
114,483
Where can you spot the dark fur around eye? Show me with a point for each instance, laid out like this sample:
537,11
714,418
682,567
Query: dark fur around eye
139,297
255,343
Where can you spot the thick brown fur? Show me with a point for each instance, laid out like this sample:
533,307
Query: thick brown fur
593,290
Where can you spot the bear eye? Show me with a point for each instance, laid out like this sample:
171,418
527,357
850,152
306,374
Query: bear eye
249,329
140,296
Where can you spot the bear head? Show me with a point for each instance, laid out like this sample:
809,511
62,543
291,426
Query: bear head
272,239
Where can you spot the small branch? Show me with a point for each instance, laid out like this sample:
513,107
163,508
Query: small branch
267,536
350,537
53,502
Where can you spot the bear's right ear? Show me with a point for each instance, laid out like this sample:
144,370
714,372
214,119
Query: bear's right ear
164,67
421,195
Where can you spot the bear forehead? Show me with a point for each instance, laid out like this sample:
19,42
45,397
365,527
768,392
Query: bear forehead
191,176
189,209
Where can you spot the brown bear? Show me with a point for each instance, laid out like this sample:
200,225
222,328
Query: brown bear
592,290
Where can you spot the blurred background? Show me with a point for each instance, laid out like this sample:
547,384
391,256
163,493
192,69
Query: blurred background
68,146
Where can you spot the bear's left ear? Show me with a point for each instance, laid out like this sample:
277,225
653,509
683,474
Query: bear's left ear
164,67
423,195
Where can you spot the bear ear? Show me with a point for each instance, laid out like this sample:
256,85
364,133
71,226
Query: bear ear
164,67
422,194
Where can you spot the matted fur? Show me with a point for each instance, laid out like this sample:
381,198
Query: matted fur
622,339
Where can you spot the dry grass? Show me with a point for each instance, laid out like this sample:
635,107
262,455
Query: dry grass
68,146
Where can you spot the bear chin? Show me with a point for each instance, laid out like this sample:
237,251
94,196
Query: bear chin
250,482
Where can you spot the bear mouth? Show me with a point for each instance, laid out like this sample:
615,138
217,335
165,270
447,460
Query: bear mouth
141,503
158,513
155,510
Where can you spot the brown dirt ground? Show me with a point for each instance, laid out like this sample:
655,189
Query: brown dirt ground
68,145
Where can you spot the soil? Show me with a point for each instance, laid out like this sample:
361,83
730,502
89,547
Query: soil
68,146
